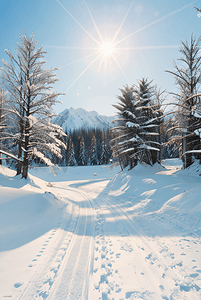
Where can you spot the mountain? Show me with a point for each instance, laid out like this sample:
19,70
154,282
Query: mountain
72,118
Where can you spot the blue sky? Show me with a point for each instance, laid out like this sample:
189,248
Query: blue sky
147,43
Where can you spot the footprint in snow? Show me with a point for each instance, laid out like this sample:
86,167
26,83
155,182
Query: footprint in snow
188,287
126,247
149,256
194,275
18,284
164,297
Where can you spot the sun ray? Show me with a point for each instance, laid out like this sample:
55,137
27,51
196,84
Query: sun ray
149,47
83,72
78,22
120,67
71,47
116,34
78,60
157,21
101,62
94,22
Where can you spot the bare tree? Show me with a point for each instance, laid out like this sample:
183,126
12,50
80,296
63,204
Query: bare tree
188,80
2,118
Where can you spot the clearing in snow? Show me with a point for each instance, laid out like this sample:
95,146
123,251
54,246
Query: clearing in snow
95,233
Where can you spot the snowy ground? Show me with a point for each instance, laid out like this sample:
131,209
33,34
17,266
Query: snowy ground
90,234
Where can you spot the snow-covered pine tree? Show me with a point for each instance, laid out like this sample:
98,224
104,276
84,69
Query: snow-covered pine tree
150,113
93,153
71,153
81,160
124,142
98,135
31,100
105,149
188,80
136,133
169,149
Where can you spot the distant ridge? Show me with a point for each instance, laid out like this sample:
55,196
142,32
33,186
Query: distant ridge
71,119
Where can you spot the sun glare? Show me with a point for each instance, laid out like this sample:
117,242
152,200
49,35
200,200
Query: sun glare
107,49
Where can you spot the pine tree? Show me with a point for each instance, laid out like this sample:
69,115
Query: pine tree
30,103
149,107
93,153
105,150
81,161
136,133
98,135
71,153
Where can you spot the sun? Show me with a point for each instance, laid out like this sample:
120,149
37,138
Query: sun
107,49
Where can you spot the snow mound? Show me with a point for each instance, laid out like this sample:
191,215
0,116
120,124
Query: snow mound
26,212
151,190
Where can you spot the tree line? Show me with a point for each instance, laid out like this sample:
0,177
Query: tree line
86,147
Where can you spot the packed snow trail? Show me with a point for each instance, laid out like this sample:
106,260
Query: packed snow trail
65,271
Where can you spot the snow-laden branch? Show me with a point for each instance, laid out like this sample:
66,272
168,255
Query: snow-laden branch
12,156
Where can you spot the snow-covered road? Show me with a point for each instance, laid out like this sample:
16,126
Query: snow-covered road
136,236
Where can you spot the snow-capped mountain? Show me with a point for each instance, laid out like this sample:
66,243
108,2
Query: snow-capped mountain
72,118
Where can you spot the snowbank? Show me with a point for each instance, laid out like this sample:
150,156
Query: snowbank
149,190
24,214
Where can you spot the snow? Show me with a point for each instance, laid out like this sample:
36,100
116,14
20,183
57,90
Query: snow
95,233
198,132
130,125
197,114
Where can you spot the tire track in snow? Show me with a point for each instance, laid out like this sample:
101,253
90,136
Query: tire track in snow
72,281
43,277
76,234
